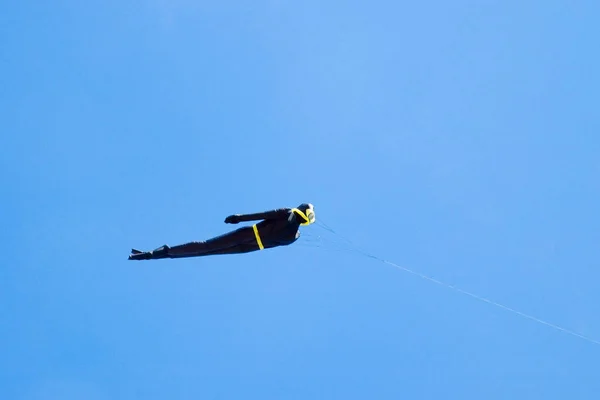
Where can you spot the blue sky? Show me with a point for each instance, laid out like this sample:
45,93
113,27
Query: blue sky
458,139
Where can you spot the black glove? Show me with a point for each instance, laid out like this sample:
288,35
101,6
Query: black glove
232,219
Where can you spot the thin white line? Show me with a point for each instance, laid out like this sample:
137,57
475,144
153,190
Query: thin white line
480,298
522,314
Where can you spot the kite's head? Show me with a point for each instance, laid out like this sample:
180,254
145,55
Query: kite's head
306,212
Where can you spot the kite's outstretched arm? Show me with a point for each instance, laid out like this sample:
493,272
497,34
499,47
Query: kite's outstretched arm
279,213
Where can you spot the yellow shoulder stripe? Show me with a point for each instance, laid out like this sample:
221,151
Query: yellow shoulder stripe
307,220
301,214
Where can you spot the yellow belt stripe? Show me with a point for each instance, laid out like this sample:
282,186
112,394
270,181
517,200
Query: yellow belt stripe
260,245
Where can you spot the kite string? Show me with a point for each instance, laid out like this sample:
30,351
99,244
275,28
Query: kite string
462,291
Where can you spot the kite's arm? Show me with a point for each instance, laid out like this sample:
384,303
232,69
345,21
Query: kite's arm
279,213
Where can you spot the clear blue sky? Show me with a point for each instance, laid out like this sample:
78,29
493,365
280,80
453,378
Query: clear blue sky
459,139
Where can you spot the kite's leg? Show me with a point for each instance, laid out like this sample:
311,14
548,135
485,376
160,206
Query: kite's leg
239,248
239,241
242,240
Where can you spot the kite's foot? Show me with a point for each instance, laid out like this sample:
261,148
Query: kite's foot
161,252
140,255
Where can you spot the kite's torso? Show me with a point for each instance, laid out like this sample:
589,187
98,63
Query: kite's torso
279,232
